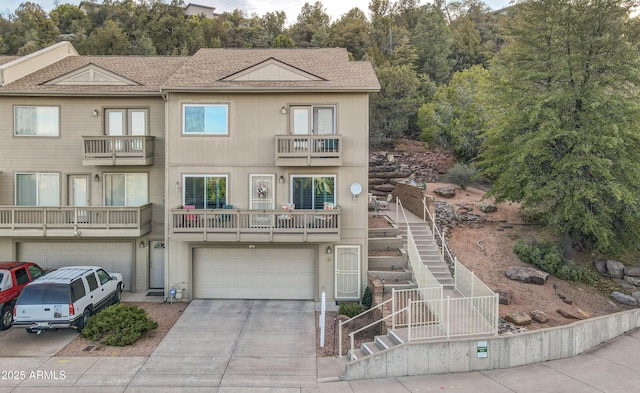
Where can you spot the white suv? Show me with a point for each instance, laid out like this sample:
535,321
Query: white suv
66,298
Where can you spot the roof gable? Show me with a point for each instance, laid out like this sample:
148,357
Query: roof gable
91,75
271,70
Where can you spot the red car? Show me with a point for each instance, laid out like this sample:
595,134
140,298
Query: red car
13,277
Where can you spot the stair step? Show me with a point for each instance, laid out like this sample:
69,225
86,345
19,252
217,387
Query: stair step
384,342
395,337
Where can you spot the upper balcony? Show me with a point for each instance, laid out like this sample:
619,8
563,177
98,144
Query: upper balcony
308,150
78,221
117,150
238,225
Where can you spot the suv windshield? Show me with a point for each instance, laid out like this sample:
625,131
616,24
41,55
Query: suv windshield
45,294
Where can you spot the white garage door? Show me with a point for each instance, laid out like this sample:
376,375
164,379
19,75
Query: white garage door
246,273
113,257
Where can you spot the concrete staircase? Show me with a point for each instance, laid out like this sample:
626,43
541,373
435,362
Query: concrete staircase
380,343
429,251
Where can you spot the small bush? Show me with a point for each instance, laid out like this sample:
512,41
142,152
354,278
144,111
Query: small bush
350,309
367,299
118,325
547,256
461,175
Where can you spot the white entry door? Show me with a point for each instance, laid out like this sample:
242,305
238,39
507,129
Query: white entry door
347,283
261,196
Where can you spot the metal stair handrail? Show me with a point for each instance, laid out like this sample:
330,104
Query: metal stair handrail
356,317
436,232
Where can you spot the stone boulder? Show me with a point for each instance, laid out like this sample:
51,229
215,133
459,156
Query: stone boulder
624,298
445,192
539,316
527,275
505,296
569,314
487,207
632,280
615,269
624,284
636,295
601,266
519,318
632,271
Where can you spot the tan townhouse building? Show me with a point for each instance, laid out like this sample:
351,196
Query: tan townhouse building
231,173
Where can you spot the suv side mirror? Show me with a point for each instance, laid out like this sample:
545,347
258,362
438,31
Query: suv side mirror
113,278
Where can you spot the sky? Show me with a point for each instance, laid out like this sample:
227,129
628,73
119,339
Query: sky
335,8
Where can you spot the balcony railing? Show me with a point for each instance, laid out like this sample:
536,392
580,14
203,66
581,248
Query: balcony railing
117,150
258,225
308,150
85,221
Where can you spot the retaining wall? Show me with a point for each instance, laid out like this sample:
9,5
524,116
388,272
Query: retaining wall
461,355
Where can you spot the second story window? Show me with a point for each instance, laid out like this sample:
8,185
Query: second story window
36,120
126,122
205,191
208,119
125,189
37,189
316,119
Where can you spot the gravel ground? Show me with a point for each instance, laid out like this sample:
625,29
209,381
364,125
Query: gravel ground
165,314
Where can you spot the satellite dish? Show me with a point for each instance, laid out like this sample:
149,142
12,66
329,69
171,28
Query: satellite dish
356,189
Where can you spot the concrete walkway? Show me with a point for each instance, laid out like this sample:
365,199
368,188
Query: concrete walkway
268,346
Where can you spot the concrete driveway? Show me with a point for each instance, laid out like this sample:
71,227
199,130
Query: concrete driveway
17,342
236,343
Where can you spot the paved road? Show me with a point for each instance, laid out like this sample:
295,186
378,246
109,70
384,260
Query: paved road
264,346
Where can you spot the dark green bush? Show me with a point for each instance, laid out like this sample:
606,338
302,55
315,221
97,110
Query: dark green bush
547,256
367,299
118,325
350,309
461,175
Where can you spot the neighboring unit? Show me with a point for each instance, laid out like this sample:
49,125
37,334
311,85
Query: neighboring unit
66,298
14,276
226,174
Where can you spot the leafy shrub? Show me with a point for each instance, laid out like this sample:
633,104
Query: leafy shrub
367,299
118,325
547,256
350,309
461,175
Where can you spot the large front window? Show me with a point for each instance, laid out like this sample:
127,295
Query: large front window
210,119
36,120
205,191
37,189
312,192
316,119
125,189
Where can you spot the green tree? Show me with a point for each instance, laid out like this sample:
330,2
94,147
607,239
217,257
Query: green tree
459,113
351,32
311,27
69,19
106,40
393,110
432,40
32,29
567,145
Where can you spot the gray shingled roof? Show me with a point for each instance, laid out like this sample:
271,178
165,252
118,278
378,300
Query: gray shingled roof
205,71
208,67
149,71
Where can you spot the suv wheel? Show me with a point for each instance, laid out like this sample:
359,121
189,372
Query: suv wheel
7,317
117,295
83,321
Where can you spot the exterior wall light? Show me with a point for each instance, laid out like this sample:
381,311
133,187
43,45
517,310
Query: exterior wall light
283,110
96,113
281,179
329,251
96,178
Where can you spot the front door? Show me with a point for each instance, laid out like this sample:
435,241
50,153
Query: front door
78,194
347,281
262,198
156,265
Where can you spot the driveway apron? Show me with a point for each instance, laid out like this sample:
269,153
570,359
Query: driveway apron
236,343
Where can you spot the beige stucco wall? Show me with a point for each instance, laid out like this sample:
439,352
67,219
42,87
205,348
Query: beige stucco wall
254,120
63,155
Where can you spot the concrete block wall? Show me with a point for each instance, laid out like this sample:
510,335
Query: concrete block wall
461,355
